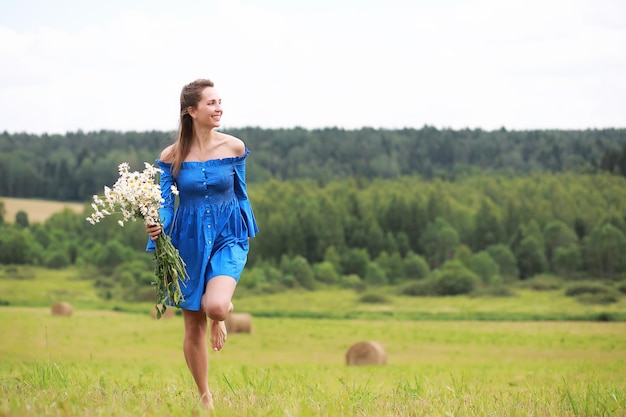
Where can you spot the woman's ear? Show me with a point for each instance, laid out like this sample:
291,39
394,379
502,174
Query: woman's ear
191,111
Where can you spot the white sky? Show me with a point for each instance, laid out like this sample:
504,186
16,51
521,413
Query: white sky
120,64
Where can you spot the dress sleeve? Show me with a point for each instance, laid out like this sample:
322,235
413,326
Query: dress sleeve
166,212
241,192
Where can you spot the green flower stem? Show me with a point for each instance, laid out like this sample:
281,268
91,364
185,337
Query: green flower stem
169,273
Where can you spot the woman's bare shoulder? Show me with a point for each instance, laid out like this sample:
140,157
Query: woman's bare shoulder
236,145
168,154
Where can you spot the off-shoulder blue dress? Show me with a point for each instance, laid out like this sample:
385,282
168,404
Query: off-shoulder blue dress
212,223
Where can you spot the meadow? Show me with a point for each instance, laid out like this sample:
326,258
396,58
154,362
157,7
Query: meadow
38,210
113,359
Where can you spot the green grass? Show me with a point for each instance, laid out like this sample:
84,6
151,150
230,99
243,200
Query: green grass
48,286
111,363
448,356
344,304
40,287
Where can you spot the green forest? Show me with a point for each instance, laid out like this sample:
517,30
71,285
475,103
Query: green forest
426,211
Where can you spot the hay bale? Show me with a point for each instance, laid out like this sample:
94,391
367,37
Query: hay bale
169,313
366,353
239,323
61,308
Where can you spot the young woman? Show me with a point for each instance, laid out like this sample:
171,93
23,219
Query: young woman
211,225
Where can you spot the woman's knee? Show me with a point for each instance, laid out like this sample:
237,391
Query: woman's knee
217,310
216,301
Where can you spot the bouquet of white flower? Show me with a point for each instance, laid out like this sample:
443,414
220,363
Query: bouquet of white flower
136,195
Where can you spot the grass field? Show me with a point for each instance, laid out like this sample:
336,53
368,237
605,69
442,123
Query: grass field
100,362
26,286
38,211
110,363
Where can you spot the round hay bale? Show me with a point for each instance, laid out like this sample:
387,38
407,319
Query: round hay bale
238,323
61,308
366,353
169,313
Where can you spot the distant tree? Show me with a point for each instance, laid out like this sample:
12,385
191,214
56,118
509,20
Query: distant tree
17,246
390,244
57,260
415,266
580,228
355,261
556,235
111,255
252,278
488,227
454,278
567,260
528,247
391,263
332,256
403,243
504,257
531,258
613,161
76,165
272,274
440,241
301,270
375,274
374,238
21,219
483,265
326,273
464,254
604,251
40,234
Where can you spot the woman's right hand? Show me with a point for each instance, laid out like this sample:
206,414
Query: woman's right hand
153,230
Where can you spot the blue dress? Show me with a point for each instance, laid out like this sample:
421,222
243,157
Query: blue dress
212,223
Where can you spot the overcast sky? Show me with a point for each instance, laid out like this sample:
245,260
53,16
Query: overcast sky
120,64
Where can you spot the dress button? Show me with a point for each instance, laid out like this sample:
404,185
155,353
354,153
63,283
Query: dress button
206,196
209,226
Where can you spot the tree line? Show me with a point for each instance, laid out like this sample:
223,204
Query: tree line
425,235
73,167
432,211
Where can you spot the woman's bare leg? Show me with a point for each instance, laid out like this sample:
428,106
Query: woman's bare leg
217,305
196,353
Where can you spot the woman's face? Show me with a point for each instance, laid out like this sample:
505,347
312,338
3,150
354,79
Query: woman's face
208,111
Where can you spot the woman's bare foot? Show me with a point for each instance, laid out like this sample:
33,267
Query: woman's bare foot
219,333
207,400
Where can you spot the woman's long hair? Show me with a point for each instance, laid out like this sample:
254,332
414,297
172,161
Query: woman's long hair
189,97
